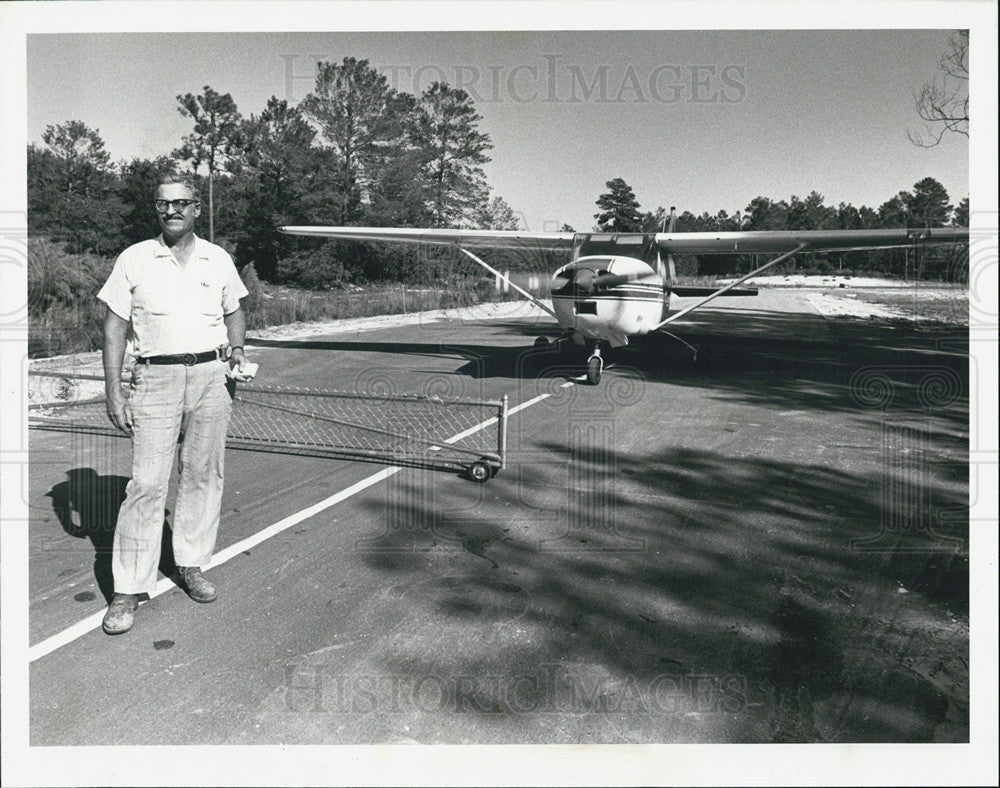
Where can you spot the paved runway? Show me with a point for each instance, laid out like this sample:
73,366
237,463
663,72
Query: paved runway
767,544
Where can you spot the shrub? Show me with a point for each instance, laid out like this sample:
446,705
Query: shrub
315,269
64,315
685,265
57,277
255,290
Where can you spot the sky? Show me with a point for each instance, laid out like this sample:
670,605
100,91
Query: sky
699,119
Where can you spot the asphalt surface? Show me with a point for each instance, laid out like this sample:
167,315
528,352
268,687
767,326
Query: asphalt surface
768,544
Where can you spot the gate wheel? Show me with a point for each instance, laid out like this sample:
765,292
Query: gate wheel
480,471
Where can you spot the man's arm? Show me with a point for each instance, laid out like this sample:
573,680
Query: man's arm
113,354
236,329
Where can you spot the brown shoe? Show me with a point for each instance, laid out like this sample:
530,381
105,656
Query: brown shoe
119,617
197,587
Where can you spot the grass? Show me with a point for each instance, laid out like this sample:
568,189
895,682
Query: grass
278,305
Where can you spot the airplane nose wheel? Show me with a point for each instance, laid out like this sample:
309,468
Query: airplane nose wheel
595,366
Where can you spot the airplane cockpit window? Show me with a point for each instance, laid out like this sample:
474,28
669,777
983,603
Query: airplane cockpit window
638,245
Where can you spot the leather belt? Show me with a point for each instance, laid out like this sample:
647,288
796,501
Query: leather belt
187,359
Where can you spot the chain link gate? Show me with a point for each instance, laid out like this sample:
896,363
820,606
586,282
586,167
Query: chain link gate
400,429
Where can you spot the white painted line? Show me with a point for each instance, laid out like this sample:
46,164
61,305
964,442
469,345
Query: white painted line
93,621
282,525
471,431
79,629
528,404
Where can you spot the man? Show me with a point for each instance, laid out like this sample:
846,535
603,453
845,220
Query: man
181,297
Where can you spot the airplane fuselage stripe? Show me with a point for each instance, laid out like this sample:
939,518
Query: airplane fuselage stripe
610,297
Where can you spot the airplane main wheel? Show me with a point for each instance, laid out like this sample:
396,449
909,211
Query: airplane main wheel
594,368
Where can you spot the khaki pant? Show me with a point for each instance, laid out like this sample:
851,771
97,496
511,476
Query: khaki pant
170,401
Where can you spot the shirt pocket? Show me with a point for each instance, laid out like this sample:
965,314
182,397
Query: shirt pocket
208,295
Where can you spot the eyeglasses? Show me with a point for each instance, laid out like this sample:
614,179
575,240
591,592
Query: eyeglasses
180,205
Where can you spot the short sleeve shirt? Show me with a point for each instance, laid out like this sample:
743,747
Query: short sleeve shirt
174,308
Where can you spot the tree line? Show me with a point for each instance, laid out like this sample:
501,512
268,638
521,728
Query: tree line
356,151
928,205
353,151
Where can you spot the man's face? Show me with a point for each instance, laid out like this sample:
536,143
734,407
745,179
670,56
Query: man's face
174,219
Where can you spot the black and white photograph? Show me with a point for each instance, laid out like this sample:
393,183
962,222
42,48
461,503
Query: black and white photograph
385,382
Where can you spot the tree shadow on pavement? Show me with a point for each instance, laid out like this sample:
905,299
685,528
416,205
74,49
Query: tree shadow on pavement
822,603
839,365
808,593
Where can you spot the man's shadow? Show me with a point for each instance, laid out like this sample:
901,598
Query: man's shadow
87,506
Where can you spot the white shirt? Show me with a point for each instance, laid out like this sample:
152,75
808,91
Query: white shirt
174,308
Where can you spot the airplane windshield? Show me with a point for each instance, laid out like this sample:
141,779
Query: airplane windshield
641,246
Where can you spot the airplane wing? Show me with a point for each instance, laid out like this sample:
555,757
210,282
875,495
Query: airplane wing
788,242
740,242
475,238
777,241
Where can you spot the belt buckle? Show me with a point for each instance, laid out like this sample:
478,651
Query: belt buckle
189,359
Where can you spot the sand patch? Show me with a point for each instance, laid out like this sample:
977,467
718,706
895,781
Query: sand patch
828,281
832,306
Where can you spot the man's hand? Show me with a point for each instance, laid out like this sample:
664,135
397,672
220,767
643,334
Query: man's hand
238,366
119,409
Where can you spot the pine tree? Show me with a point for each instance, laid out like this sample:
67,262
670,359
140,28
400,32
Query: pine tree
446,134
362,121
928,204
496,214
282,179
71,190
214,141
619,209
961,215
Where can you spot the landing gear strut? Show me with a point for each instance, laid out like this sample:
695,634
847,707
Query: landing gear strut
595,363
595,366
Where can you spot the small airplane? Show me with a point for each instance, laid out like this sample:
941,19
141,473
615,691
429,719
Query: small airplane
618,285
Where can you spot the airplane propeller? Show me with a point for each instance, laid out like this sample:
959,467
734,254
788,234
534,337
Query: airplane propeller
586,282
607,281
